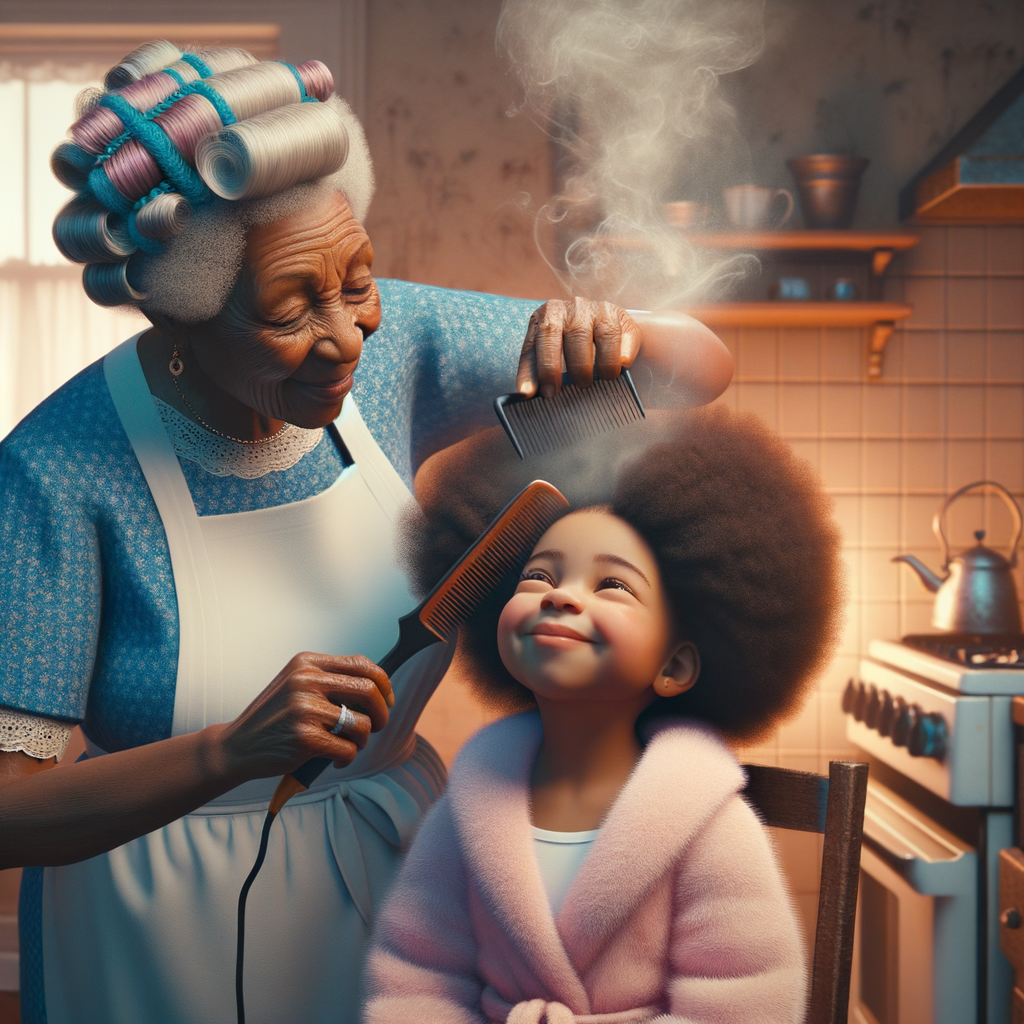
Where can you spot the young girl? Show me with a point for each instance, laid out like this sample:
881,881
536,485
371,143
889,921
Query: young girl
593,860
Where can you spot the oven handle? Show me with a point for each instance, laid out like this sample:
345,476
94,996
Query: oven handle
933,861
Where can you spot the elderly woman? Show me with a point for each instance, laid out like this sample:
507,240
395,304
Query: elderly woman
216,495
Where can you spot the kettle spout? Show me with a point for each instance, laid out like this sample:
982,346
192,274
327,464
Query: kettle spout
931,580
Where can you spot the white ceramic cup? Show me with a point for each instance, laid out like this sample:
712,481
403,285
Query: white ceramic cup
749,206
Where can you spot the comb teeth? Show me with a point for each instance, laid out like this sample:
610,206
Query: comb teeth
512,534
538,425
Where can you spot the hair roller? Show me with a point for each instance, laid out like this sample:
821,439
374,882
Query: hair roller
132,171
164,216
143,60
107,285
253,90
273,151
96,125
316,79
86,100
226,58
85,232
71,165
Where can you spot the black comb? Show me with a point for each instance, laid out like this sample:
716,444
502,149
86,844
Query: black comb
537,425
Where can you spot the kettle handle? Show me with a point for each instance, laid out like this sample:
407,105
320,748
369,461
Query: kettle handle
939,519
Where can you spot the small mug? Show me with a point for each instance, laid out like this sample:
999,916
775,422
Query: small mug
792,289
749,206
844,290
686,213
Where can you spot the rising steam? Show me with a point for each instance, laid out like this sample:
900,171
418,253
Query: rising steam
629,93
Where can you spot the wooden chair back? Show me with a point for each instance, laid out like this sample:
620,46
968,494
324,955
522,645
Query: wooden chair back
833,807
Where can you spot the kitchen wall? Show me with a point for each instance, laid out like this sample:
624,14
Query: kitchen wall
949,410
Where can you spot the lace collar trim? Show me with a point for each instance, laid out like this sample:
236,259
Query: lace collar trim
221,457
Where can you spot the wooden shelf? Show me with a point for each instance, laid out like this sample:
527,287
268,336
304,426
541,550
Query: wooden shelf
880,317
807,241
880,245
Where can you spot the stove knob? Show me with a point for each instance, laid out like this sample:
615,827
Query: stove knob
860,702
903,722
872,707
886,714
849,696
928,737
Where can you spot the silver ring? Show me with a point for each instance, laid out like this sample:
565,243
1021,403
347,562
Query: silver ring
346,720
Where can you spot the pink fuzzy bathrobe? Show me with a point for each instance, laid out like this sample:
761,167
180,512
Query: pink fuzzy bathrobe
678,915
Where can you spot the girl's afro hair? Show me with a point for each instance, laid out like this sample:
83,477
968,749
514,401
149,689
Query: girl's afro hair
743,535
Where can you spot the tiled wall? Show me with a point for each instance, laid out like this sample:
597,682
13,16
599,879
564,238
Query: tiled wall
949,410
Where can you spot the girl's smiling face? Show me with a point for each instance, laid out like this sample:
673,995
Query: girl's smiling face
590,619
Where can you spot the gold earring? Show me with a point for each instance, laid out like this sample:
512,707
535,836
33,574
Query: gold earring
176,366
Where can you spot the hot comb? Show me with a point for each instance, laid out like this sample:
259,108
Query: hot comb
537,425
511,535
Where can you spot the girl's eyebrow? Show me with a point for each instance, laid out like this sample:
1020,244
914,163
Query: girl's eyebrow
615,560
552,553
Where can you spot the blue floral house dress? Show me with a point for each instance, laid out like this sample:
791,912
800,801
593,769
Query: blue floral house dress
134,568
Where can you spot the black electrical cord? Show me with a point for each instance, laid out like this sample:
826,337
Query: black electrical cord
242,896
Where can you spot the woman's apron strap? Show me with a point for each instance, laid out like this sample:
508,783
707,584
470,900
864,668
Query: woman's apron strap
200,656
381,477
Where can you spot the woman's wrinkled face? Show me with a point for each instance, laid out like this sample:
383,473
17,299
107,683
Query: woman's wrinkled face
288,342
589,618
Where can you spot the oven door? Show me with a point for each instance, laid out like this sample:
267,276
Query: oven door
915,948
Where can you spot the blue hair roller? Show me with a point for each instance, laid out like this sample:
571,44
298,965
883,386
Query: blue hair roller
151,135
176,75
198,63
226,114
103,189
302,85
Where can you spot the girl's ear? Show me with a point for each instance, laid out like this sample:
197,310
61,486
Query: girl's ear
679,672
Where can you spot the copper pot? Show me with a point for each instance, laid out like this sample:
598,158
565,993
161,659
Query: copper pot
828,184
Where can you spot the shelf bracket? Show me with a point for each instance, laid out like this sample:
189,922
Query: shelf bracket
880,260
880,334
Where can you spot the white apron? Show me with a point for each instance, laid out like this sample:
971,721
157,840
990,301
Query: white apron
146,933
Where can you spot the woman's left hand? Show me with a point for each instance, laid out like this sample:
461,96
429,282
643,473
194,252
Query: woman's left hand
595,339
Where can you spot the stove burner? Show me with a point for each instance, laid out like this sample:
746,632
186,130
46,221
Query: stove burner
972,650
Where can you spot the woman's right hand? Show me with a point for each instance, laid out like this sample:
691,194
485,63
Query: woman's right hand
290,722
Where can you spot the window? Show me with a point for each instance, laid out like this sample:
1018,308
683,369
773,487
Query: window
49,330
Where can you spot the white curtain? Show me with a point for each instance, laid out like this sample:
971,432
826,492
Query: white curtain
49,331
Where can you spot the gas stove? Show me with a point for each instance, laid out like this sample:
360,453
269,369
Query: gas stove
942,721
933,711
972,649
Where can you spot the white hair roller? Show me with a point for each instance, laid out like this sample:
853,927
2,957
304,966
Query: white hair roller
273,151
143,60
164,216
86,100
252,90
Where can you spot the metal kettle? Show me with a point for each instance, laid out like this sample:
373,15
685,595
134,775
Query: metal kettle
977,594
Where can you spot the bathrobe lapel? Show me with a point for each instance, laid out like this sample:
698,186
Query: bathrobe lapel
684,776
490,798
